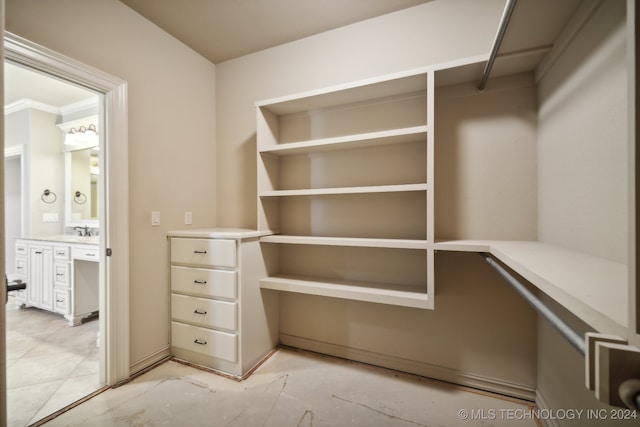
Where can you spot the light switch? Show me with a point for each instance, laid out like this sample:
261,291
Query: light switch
187,218
155,218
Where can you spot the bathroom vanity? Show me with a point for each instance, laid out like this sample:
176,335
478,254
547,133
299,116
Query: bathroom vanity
62,274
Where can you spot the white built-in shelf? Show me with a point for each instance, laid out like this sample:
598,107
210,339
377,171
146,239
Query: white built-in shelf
348,241
370,292
593,289
370,139
362,91
347,190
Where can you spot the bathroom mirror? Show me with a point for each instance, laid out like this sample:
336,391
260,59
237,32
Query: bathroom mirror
81,187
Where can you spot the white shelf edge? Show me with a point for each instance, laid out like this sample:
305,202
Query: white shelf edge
345,290
344,87
348,241
382,137
594,289
347,190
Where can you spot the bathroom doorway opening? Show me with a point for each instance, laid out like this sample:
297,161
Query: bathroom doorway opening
113,288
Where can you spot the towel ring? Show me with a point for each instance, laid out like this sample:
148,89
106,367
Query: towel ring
48,196
80,198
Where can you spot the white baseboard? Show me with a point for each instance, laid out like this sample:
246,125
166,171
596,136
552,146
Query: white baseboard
149,360
541,404
494,385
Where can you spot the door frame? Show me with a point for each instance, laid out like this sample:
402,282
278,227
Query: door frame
114,199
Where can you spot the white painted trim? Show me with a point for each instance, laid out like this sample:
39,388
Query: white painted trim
542,404
79,106
25,103
114,270
494,385
13,151
150,360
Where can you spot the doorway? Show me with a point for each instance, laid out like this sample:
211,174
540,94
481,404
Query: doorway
113,286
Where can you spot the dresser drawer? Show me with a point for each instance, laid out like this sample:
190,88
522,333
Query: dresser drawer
204,252
204,312
221,345
204,282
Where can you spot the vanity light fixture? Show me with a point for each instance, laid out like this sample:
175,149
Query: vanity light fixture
82,136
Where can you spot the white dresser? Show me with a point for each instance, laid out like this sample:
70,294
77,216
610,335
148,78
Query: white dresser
220,318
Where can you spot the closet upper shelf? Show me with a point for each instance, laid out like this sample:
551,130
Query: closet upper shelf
387,137
347,241
361,91
346,190
593,289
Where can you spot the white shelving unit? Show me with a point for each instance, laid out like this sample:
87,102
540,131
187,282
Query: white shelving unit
344,179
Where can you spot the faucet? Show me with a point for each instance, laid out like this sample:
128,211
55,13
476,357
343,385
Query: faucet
82,231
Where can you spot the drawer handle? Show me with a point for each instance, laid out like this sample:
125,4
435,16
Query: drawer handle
200,252
200,282
197,341
59,274
89,254
59,300
196,311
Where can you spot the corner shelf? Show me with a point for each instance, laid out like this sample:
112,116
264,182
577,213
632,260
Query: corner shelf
593,289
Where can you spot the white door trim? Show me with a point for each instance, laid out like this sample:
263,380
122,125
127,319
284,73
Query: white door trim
114,209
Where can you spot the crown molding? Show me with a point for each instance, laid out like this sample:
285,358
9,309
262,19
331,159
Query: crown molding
25,103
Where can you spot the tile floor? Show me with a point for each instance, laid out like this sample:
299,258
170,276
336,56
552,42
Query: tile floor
49,363
292,388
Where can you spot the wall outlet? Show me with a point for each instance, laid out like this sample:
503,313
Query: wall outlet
155,218
188,218
50,217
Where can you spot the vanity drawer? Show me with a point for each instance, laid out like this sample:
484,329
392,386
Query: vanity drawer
221,345
21,264
61,298
85,253
204,282
204,312
21,248
61,253
204,252
61,274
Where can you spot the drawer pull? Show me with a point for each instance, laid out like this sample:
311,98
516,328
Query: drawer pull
90,254
59,300
200,282
200,252
197,341
196,311
59,274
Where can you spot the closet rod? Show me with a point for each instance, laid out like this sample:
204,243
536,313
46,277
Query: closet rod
565,330
502,28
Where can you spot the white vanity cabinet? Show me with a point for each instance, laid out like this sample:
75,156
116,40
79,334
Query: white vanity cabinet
220,318
58,276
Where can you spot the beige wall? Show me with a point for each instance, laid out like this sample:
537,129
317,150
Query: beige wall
479,326
171,117
582,165
582,143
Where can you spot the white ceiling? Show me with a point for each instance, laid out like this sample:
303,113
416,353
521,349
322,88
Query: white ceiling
221,30
22,83
224,29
